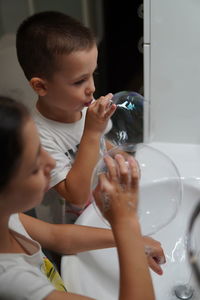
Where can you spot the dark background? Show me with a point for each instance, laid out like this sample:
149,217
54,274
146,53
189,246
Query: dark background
120,62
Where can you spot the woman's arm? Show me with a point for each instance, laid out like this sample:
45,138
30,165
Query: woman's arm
119,188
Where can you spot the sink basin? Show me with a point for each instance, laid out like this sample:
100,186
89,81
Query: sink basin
96,273
173,237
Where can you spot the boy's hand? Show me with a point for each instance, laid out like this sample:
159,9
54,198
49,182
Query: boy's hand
117,191
98,114
155,254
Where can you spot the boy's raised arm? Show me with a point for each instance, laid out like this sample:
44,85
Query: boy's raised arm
76,187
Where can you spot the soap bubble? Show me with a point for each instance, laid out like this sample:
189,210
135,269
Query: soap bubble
127,119
160,186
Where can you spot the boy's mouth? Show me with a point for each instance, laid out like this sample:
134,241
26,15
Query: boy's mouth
88,103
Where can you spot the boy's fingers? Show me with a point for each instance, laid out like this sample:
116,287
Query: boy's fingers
110,111
104,104
154,265
109,96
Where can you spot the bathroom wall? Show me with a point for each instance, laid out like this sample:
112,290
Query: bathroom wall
12,81
172,70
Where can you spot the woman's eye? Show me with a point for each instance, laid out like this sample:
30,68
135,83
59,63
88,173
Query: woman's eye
35,171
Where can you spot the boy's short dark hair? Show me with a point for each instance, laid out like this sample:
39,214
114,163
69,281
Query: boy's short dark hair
43,36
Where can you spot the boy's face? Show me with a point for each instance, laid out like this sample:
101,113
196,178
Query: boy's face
72,86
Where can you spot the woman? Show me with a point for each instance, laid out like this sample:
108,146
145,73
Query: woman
25,173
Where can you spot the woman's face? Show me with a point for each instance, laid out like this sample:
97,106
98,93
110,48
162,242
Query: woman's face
31,180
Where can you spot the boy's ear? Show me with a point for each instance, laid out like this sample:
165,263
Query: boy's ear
39,85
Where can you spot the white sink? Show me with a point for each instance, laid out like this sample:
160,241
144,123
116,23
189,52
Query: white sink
174,240
96,273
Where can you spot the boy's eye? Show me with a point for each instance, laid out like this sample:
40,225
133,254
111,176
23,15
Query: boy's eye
79,82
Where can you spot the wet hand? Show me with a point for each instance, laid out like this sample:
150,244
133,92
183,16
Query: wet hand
155,254
117,191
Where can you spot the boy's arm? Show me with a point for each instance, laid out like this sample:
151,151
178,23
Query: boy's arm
70,238
75,188
134,274
67,238
109,145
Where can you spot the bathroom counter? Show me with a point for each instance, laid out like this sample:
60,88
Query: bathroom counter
185,156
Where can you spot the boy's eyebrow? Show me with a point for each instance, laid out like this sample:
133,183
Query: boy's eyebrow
83,75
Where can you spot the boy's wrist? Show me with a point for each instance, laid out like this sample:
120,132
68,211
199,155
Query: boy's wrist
90,134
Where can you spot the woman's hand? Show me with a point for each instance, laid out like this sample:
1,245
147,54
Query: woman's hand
117,197
117,191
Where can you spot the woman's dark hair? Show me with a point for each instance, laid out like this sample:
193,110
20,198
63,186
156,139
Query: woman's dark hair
12,118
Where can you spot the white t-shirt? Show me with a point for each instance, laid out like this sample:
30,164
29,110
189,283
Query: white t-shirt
24,276
61,140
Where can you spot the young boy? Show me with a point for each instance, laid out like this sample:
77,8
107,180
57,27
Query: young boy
59,56
60,67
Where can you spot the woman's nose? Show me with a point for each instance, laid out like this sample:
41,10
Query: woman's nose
49,162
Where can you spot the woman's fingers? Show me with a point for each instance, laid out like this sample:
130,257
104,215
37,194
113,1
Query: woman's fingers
112,168
103,192
116,191
123,169
134,171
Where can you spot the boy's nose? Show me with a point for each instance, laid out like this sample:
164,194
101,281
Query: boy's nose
91,87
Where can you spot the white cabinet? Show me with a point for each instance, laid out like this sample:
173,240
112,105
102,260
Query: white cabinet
172,70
